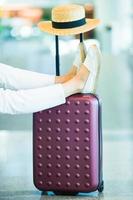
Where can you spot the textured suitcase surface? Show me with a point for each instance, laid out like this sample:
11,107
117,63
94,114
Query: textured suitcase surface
67,151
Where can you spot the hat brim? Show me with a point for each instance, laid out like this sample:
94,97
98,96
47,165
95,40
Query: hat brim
46,26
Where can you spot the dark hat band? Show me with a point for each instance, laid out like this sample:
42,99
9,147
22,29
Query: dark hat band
72,24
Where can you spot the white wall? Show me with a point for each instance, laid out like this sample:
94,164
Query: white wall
116,13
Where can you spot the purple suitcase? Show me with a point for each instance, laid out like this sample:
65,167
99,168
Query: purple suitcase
67,146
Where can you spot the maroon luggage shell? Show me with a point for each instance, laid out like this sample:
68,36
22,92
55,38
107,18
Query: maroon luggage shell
67,146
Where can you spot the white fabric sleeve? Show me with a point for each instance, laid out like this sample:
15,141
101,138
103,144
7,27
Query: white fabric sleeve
32,100
15,79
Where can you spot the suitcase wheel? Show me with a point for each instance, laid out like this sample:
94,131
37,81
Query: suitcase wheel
65,193
101,187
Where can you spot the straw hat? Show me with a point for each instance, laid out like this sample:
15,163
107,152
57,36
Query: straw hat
68,20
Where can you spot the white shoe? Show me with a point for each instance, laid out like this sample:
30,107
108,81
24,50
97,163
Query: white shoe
80,55
92,62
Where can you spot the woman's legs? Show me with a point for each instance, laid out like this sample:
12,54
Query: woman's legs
33,100
77,83
66,77
16,79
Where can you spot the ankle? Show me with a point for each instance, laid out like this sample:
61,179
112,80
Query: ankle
79,84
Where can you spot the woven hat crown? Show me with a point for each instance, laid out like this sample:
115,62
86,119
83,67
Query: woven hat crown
68,13
68,19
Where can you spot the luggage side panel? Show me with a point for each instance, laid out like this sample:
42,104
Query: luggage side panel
79,167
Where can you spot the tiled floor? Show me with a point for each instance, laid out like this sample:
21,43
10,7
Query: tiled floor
16,181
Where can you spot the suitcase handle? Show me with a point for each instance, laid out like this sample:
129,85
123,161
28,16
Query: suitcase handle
57,56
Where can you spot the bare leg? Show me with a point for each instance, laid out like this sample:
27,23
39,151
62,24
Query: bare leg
67,77
77,83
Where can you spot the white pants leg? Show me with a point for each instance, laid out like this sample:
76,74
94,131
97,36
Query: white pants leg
14,78
31,100
24,91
